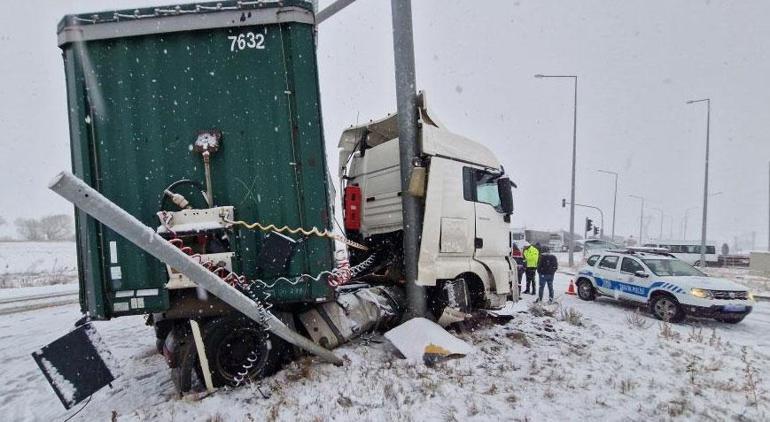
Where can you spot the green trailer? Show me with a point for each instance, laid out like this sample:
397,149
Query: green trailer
142,86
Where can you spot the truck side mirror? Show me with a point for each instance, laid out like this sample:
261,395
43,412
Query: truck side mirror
506,194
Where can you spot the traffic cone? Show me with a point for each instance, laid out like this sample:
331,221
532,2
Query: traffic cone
571,288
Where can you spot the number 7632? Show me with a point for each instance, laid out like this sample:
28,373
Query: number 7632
248,40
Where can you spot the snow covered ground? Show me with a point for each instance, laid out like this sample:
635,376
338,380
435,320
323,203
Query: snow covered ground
28,264
615,365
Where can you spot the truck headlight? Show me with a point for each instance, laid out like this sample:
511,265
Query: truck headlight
702,293
751,296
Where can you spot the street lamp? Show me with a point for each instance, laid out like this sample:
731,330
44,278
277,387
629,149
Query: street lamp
686,212
660,237
705,181
614,200
641,217
574,156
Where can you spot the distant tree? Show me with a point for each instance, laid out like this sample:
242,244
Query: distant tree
56,227
2,221
29,229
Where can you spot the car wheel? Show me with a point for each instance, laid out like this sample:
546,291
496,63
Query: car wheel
666,308
586,290
731,320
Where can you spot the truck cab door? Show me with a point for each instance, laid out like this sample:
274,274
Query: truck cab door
491,239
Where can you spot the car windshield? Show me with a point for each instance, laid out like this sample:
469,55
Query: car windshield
671,267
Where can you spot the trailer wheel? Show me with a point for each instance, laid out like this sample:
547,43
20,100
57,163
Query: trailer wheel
237,349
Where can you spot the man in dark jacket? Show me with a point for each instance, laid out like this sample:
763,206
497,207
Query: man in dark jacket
546,268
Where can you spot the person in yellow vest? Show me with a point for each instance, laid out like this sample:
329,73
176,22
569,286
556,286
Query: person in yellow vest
531,258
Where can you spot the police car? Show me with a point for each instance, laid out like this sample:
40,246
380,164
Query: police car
671,288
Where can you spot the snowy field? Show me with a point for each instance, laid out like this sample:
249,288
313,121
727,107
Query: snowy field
29,264
611,364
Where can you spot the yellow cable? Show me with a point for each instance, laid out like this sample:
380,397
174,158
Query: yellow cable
312,232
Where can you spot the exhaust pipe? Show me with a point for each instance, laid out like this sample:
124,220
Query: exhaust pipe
102,209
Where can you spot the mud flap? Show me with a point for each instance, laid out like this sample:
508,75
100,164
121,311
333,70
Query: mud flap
77,365
422,340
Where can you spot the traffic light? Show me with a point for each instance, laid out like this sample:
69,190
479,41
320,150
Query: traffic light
589,225
596,231
563,203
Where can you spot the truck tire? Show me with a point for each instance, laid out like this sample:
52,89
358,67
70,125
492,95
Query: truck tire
235,345
586,290
184,358
666,308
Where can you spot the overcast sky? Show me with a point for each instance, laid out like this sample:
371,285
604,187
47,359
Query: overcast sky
637,62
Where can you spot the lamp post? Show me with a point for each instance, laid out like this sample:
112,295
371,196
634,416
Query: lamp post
686,212
406,100
705,181
614,200
574,156
641,217
660,210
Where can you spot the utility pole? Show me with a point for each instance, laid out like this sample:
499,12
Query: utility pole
641,217
406,99
574,157
614,200
705,181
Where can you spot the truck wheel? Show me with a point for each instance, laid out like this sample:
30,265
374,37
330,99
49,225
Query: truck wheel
666,308
237,349
183,357
586,290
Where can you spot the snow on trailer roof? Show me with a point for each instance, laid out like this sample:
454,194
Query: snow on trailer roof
180,18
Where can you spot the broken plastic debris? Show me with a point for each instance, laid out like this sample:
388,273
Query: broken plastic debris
422,340
505,311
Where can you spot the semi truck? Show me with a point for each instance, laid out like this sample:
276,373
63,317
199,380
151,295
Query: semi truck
199,126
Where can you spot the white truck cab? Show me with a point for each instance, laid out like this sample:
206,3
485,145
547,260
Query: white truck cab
467,205
669,286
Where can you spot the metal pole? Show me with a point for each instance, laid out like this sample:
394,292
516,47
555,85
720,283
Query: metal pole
614,206
601,215
574,157
705,181
641,217
614,200
705,189
406,99
572,192
660,236
331,10
641,222
102,209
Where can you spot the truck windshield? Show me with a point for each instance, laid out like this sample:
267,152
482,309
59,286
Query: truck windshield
486,192
671,267
481,186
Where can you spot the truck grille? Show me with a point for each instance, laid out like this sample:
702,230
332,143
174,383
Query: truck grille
729,294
